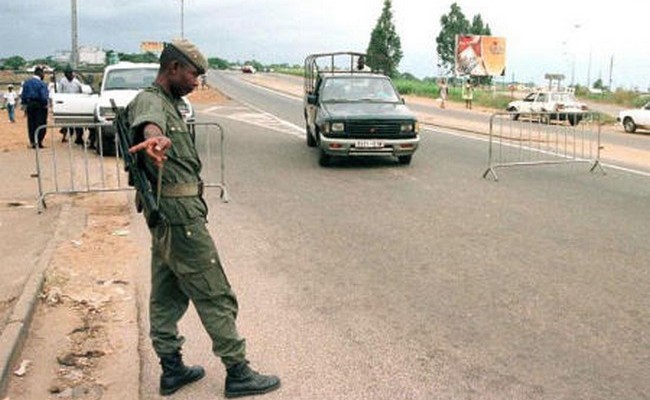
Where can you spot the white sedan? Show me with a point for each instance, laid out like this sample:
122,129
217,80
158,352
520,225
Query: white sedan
635,118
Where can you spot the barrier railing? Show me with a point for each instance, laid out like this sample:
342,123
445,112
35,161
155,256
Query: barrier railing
95,166
542,139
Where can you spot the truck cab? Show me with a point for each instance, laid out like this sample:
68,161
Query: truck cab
350,111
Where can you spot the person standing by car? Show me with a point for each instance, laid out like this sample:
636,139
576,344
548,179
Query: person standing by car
10,102
34,98
70,84
468,94
185,265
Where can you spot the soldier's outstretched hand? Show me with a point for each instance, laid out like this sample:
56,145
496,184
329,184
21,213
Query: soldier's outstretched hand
155,147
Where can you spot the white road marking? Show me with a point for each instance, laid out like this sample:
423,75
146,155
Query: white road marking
259,118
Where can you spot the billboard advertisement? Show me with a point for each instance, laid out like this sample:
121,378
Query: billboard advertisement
478,55
151,47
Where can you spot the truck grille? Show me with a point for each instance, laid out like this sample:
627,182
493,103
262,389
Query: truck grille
369,128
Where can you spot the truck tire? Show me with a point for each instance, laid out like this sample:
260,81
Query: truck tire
405,160
311,142
323,159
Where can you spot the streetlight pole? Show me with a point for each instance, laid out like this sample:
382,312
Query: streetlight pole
182,19
74,53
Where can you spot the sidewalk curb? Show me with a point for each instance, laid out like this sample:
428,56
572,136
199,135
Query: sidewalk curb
14,333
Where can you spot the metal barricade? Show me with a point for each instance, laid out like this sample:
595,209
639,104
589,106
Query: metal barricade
95,167
542,139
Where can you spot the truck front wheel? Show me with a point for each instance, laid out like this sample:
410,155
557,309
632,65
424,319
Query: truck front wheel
405,160
311,142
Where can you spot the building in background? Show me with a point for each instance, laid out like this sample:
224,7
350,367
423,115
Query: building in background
88,55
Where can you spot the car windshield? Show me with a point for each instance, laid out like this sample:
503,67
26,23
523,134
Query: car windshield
352,89
137,78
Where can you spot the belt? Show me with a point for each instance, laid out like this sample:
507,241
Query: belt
189,189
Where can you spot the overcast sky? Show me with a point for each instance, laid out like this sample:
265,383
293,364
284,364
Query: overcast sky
550,36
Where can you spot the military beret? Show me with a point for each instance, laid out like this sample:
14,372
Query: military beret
189,52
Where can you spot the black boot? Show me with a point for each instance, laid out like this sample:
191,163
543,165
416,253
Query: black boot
243,381
176,375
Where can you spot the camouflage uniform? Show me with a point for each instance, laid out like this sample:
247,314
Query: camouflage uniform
184,261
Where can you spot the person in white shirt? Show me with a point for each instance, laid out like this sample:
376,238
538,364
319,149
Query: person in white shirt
10,102
70,84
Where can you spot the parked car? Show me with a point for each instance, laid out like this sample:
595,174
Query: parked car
549,105
121,82
635,118
349,112
74,108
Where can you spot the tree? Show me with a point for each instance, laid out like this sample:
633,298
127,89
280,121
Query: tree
15,62
147,57
218,63
599,84
451,25
454,24
385,48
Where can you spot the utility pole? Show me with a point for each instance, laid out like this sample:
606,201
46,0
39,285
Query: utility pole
611,68
74,54
182,19
589,72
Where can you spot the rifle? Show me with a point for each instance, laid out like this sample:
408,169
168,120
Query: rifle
137,177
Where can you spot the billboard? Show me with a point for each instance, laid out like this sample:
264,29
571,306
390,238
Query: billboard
478,55
151,47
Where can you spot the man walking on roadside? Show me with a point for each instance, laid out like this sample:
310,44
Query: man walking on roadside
35,98
185,265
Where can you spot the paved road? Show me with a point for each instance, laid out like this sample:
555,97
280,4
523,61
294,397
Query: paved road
370,280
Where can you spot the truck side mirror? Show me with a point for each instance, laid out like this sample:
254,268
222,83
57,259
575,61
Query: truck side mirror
312,99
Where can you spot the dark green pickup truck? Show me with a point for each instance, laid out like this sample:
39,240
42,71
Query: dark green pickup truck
350,111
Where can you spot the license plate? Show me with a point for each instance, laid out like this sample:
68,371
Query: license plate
369,144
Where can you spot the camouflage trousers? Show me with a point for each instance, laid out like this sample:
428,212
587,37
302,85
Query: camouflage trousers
185,267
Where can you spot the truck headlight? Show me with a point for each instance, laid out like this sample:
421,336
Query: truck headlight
409,127
338,127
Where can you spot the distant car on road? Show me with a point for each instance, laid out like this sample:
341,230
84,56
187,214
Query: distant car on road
635,118
549,105
248,69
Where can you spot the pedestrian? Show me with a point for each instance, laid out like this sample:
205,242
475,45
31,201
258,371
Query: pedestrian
204,81
361,64
468,94
10,102
34,98
444,92
70,84
185,265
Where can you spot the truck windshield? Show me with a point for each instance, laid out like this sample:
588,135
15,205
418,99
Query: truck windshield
137,78
358,89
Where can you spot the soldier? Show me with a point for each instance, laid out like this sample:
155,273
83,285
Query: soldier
185,265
